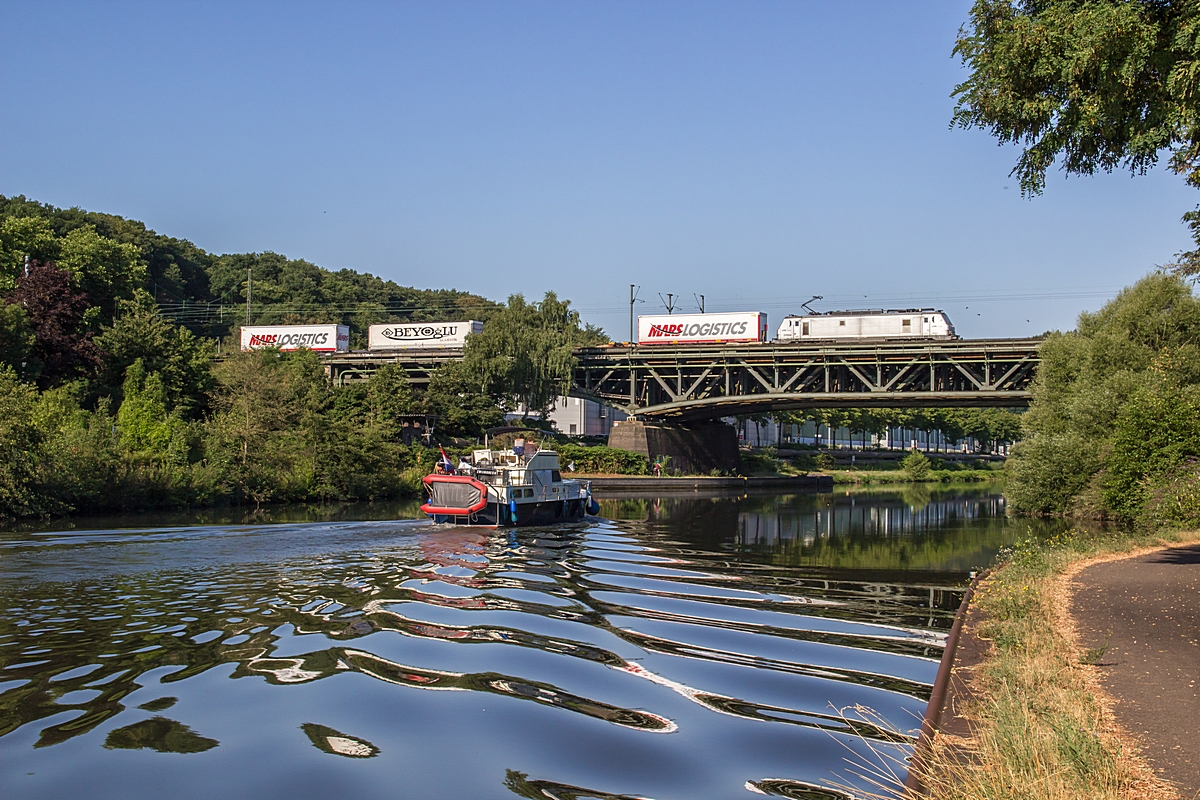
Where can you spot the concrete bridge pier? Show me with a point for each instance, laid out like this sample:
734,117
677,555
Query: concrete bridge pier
696,447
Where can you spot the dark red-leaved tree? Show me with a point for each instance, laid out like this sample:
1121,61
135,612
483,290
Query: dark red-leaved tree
55,309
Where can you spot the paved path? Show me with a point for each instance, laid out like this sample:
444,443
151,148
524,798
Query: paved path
1147,610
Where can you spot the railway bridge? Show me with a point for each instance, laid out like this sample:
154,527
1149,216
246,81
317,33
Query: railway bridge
692,383
675,393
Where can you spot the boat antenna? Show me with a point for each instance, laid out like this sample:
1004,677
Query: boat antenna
805,306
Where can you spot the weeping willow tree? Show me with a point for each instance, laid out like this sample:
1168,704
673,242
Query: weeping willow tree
524,358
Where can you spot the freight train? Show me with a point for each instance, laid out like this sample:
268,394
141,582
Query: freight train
380,338
738,327
751,326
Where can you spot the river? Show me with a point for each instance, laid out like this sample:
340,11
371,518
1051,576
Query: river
675,648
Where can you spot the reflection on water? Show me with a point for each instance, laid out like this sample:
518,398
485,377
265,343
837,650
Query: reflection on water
158,733
690,649
913,527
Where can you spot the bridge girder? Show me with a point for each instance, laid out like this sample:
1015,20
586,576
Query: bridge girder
687,383
691,383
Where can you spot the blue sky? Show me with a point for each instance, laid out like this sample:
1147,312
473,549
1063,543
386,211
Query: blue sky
758,153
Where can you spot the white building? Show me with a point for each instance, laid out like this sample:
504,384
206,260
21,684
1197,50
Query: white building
769,433
575,416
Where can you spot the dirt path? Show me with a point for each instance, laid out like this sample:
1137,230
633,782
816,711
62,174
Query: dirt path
1142,617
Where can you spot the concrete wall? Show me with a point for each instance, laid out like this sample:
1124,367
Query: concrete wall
697,448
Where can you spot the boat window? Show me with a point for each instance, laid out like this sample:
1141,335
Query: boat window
529,492
556,476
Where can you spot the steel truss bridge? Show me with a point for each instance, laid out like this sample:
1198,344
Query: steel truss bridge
704,382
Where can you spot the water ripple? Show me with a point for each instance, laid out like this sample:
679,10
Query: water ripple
551,656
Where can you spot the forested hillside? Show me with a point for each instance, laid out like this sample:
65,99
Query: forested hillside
205,292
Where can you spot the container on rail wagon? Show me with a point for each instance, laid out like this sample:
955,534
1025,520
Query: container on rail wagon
421,335
320,338
912,323
737,326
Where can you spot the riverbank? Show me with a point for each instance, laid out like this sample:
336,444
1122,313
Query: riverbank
604,485
864,476
1039,721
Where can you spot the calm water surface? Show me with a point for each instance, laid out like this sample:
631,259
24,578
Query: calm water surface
677,648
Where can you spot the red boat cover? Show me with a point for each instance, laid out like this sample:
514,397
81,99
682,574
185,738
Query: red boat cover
454,494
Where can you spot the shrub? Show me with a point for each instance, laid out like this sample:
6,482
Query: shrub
603,460
916,466
1174,500
758,462
1114,406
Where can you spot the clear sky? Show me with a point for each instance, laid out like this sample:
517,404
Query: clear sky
758,153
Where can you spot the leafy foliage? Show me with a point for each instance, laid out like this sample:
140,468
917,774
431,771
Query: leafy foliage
1114,405
462,408
1100,84
116,323
181,359
293,291
916,466
603,460
1096,85
16,338
57,315
19,440
524,358
111,257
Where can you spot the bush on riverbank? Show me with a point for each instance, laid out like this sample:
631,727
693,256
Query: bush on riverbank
278,431
849,476
1115,417
599,460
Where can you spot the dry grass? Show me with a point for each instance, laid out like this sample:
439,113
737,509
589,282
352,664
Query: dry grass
1042,726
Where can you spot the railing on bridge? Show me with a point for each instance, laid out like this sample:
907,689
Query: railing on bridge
702,382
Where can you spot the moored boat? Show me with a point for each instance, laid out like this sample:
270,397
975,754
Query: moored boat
506,488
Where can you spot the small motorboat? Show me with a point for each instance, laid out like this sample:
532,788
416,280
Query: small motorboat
507,488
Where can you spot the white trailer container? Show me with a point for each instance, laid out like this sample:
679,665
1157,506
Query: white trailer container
321,338
912,323
421,335
737,326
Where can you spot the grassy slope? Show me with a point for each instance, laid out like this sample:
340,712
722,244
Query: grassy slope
1043,729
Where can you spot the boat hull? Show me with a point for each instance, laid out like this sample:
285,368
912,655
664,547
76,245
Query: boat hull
530,514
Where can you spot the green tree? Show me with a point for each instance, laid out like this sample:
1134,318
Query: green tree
16,338
180,359
22,238
524,358
455,397
1155,435
916,465
19,444
1094,85
145,426
108,271
1085,413
388,396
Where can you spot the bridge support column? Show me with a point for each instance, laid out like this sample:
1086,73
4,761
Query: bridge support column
696,447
